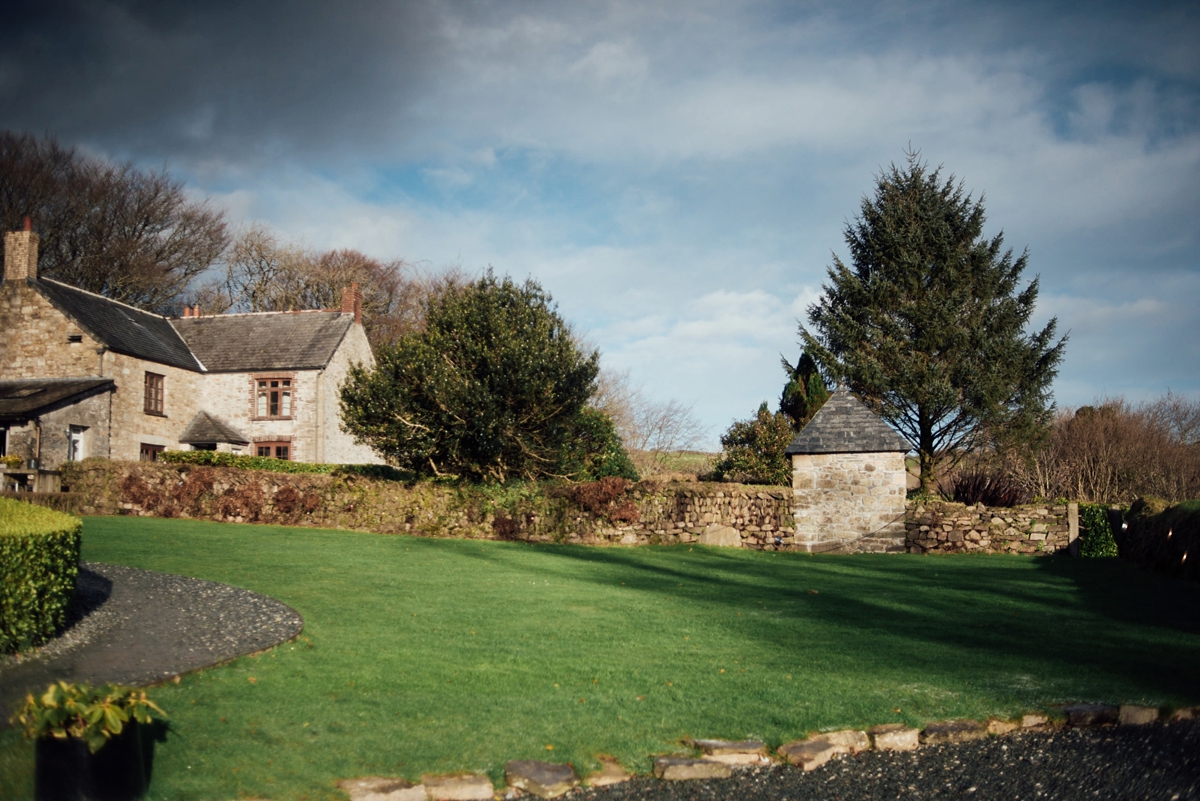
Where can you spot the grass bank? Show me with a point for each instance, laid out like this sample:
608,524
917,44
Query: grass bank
432,655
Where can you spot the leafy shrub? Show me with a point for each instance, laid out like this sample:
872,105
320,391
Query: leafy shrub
489,390
11,461
595,450
988,488
39,560
1096,533
753,450
92,714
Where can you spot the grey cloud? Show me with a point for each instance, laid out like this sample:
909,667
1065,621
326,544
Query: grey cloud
151,80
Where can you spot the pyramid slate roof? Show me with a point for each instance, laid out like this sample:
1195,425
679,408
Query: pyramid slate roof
27,397
235,343
123,328
845,425
206,428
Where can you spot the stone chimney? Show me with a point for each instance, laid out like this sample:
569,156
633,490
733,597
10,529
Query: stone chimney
21,254
352,302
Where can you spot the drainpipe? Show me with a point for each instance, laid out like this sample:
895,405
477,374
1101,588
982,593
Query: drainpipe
100,351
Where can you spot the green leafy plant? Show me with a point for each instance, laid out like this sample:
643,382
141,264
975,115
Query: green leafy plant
92,714
753,450
1097,536
12,461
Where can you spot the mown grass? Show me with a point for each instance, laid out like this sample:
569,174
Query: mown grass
428,655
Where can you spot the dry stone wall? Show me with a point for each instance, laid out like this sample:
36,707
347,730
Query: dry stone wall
647,513
942,527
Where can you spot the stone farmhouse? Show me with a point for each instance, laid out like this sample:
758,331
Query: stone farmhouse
82,375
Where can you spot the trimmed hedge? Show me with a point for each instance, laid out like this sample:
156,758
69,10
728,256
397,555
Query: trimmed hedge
39,560
1097,534
246,462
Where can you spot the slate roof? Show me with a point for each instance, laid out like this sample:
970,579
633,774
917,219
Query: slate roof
122,328
845,425
235,343
25,398
206,428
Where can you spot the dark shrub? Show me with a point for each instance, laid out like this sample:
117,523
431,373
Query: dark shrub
990,489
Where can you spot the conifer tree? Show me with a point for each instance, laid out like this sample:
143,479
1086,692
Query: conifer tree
928,323
804,393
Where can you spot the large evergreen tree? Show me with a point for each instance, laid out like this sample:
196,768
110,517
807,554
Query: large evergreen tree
928,324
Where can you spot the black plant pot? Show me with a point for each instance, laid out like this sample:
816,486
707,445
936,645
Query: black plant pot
65,770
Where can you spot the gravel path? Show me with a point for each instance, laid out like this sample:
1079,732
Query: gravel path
137,627
1160,761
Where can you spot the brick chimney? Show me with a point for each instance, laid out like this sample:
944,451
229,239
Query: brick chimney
21,253
352,302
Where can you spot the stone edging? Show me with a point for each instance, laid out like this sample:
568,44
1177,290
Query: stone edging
719,758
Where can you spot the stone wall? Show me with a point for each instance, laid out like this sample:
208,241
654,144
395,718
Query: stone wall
849,502
943,527
647,513
36,338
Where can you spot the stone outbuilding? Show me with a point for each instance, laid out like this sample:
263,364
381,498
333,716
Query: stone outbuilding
849,480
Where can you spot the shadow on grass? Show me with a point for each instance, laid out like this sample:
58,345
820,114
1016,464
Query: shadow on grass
1102,620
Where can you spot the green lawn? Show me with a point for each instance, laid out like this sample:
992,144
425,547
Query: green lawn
432,655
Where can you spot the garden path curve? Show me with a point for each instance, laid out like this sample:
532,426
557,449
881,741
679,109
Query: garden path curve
138,627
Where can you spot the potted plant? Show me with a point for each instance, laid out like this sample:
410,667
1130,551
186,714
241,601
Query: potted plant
88,744
11,462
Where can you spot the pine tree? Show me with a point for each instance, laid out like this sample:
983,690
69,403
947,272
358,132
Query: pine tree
928,324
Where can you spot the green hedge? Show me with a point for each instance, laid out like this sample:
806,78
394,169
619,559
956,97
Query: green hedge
1096,532
39,560
247,462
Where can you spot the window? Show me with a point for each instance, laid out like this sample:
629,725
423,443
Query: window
273,397
75,444
275,450
150,452
154,393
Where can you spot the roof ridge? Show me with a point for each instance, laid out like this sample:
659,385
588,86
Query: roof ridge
105,298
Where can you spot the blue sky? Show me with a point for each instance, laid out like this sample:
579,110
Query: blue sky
677,175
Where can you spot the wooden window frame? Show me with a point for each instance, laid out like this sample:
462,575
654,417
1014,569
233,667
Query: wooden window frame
150,450
154,395
273,447
290,379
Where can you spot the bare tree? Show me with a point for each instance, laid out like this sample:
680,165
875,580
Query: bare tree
110,228
650,430
264,274
1115,452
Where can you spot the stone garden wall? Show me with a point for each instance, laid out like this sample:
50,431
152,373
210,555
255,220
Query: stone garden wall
647,513
942,527
639,514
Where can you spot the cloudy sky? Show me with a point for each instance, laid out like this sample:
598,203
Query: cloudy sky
677,174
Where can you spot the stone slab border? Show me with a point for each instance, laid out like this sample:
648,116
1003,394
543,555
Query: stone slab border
719,758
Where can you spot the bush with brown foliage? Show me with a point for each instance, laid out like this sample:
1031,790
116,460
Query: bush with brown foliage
599,498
